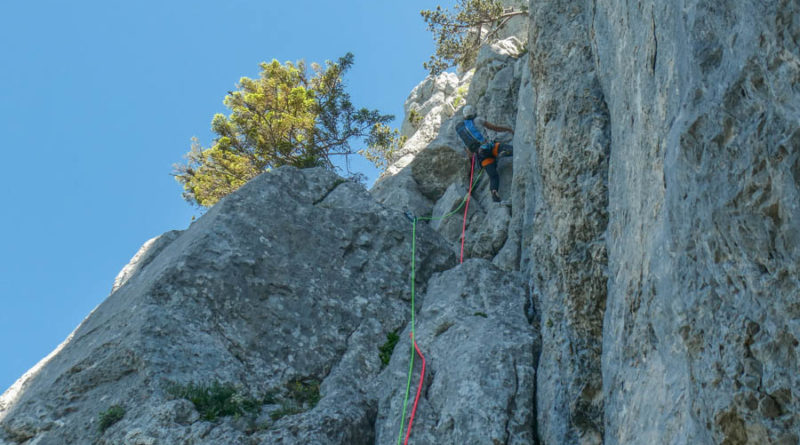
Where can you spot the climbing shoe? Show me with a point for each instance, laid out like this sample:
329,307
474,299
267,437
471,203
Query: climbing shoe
496,196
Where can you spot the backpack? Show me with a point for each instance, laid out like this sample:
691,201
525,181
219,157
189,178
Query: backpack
470,135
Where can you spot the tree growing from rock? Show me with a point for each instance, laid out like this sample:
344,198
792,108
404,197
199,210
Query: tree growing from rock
384,153
460,34
290,115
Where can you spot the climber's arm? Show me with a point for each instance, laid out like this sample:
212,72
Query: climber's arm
494,127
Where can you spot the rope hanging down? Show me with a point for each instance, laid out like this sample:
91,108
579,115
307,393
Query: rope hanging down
414,346
411,361
419,390
466,210
474,181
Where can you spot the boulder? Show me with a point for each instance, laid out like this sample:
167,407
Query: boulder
480,352
448,214
401,192
286,286
436,167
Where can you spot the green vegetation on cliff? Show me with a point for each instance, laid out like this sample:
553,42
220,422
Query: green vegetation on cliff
461,33
290,115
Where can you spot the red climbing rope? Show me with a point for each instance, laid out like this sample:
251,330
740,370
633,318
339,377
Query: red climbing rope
419,389
466,209
414,220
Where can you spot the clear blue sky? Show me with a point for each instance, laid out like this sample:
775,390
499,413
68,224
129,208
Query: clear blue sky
98,99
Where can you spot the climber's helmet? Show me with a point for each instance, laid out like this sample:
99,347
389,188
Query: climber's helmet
468,111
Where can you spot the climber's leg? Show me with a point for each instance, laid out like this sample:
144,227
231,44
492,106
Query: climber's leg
494,178
505,149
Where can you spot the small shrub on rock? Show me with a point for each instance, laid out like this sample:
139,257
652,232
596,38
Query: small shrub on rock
387,348
216,399
110,416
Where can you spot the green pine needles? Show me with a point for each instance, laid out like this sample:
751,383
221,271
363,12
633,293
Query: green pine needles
290,115
460,34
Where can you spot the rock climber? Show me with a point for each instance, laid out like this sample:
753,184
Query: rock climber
490,149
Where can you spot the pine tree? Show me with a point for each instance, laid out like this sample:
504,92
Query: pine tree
288,116
460,34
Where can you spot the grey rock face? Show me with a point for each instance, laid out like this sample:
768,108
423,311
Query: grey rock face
448,214
523,182
517,26
430,103
486,236
401,192
639,286
429,100
436,167
480,368
445,163
560,217
495,85
146,253
298,275
701,333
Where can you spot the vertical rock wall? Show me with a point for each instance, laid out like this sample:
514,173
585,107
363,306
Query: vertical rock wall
666,134
480,374
651,237
560,215
654,214
701,332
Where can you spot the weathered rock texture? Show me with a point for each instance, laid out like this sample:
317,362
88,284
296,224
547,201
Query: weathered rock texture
146,253
480,369
436,180
701,331
564,200
262,299
431,102
638,286
298,275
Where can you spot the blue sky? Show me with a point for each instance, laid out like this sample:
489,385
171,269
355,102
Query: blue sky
98,99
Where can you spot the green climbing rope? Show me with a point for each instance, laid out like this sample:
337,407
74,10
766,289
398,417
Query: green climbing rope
413,305
413,332
457,209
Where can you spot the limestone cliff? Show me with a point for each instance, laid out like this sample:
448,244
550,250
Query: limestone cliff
700,337
638,286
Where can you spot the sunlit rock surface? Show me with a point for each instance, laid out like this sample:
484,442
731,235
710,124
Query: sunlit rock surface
638,285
